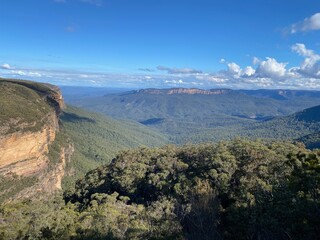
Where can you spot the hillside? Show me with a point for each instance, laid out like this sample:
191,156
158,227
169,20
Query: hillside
45,146
198,115
293,126
97,139
301,126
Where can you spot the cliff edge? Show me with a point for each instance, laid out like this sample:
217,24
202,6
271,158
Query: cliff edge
29,124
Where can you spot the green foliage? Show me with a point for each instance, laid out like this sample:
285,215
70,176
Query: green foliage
239,189
311,141
97,139
229,190
21,107
13,184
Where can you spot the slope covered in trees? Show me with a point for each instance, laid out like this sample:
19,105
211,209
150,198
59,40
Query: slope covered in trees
97,139
42,143
195,115
294,126
230,190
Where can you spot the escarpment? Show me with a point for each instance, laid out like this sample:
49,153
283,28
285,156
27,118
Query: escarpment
24,152
29,124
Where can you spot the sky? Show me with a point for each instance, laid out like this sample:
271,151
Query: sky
247,44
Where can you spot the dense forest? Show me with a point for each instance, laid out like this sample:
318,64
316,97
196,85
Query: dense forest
236,189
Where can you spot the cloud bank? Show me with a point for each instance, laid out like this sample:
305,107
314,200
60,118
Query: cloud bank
263,73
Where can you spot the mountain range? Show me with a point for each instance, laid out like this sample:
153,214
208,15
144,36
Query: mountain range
198,115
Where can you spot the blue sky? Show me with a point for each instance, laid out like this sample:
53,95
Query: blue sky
162,43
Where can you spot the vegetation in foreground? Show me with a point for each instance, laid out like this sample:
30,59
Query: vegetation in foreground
230,190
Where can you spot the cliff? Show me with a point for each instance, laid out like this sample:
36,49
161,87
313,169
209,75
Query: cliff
24,152
29,124
190,91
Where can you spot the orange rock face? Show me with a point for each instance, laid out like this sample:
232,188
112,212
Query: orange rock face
24,153
190,91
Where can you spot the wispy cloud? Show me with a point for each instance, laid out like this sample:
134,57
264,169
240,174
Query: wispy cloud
146,69
308,24
97,3
6,66
179,70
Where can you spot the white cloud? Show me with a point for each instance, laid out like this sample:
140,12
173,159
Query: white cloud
308,24
5,66
248,71
234,69
19,72
270,73
310,67
34,74
212,78
255,61
270,68
174,81
26,73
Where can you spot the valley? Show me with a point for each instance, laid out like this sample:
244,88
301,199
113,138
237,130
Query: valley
195,115
159,120
162,165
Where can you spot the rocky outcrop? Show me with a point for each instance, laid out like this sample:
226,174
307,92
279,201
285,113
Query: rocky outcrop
25,142
24,153
55,98
49,181
190,91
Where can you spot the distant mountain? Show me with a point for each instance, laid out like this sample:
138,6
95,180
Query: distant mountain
193,114
190,91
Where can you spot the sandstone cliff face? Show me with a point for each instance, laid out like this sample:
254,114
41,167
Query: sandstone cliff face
24,145
24,153
49,180
190,91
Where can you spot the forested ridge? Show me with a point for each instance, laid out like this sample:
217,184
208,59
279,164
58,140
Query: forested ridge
236,189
